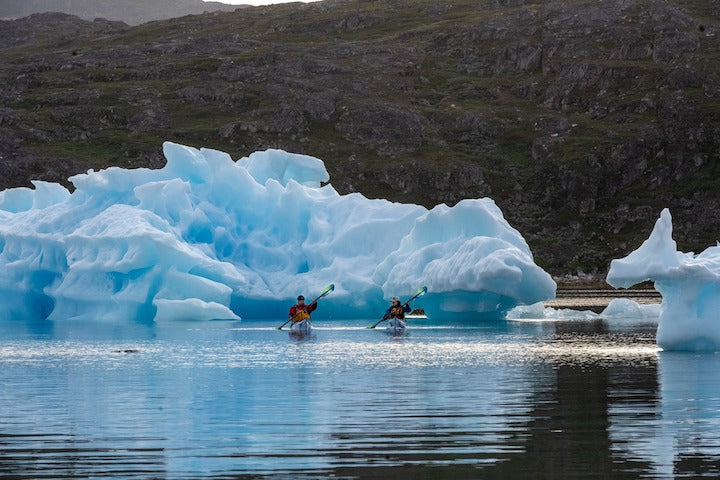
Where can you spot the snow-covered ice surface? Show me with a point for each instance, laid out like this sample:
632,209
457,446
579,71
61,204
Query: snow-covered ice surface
206,237
618,308
538,311
689,284
629,309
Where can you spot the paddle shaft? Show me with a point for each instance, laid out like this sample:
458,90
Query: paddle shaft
288,320
386,316
325,292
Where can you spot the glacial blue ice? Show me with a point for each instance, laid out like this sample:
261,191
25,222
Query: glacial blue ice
689,284
206,237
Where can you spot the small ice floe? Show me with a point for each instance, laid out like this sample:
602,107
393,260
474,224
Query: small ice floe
626,308
538,311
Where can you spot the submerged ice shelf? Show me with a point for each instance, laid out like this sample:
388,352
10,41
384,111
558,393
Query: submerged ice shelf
206,237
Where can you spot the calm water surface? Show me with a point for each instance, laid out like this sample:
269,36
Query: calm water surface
243,400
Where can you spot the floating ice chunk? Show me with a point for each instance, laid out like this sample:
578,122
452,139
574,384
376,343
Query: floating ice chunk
538,311
688,283
206,237
570,314
534,311
626,308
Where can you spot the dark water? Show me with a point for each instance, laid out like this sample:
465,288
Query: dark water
243,400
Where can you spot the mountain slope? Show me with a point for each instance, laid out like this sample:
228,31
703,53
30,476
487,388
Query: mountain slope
132,12
582,119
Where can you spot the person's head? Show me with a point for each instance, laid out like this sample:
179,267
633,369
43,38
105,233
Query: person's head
395,301
301,300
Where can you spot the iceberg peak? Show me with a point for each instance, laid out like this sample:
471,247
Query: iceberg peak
657,254
283,167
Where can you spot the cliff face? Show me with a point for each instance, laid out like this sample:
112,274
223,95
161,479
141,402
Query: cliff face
582,119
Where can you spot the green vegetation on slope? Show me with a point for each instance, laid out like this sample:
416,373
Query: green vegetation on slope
582,120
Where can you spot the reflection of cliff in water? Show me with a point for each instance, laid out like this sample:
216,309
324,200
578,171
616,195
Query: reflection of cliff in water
580,427
569,430
64,455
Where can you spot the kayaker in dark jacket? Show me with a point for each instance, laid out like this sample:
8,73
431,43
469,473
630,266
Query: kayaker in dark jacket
397,310
300,311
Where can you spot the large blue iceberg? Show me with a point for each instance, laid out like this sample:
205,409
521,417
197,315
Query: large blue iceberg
689,284
206,237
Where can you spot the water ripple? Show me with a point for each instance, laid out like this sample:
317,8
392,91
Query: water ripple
249,401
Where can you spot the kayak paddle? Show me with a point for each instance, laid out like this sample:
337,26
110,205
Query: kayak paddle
327,290
421,291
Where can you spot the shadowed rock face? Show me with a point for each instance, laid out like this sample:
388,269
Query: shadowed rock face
581,120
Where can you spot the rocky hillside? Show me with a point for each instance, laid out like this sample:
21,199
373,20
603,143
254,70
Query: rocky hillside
132,12
581,118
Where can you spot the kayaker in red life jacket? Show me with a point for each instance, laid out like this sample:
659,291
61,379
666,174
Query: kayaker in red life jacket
397,310
300,311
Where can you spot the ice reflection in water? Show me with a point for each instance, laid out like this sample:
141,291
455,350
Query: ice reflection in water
198,400
677,432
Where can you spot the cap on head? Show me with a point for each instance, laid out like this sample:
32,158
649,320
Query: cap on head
395,299
300,297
